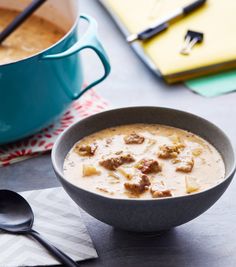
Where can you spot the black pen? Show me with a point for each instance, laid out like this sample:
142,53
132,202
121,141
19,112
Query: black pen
163,24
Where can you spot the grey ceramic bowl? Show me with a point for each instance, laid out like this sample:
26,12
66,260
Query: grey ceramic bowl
136,214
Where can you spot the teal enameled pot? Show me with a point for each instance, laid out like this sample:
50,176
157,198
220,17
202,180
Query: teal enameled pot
35,91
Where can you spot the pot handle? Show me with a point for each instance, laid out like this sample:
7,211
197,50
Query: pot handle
88,40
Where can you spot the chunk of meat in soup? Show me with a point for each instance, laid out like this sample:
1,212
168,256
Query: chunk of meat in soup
113,163
85,150
184,164
134,138
148,166
170,151
138,185
159,190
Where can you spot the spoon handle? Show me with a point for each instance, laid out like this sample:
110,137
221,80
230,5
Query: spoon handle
58,254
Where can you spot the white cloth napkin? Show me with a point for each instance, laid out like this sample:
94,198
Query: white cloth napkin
58,219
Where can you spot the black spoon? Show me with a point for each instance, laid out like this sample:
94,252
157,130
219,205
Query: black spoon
16,217
20,18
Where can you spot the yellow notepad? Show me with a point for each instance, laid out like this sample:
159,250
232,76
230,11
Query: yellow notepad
216,19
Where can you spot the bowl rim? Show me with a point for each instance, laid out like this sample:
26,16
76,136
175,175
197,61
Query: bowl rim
61,175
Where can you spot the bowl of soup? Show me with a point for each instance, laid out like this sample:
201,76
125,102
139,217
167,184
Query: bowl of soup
40,68
144,168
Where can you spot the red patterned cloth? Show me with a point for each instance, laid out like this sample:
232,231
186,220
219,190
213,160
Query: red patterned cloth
43,141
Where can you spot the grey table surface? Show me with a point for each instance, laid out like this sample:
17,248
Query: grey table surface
209,240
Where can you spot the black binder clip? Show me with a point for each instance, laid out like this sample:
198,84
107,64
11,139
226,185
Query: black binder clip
191,38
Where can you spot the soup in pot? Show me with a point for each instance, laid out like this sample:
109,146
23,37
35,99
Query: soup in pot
33,36
144,161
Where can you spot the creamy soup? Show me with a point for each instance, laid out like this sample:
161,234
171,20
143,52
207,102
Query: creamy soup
33,36
144,161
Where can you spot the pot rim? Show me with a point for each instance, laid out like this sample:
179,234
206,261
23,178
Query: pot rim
69,32
193,195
